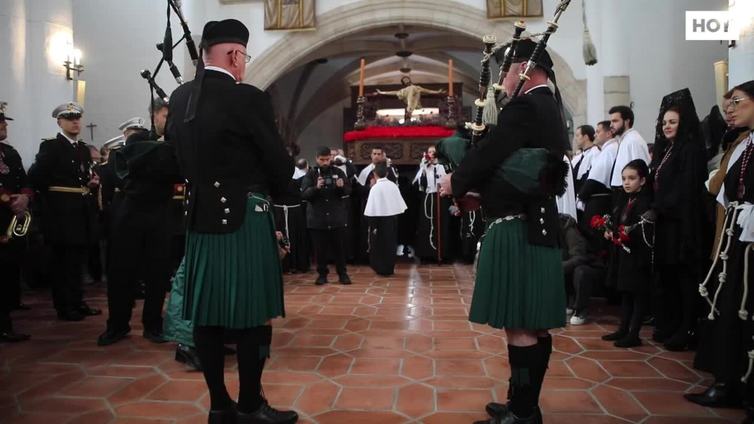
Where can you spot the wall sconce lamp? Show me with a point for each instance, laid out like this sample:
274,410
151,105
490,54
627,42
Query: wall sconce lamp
73,64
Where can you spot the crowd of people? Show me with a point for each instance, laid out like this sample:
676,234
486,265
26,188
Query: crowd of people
662,229
665,229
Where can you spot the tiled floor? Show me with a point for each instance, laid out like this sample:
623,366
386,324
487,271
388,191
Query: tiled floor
384,350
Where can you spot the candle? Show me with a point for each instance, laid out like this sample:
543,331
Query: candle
450,77
361,78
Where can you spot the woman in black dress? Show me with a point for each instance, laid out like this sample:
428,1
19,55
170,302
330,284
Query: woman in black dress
678,174
730,292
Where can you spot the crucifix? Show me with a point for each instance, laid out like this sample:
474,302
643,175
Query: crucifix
91,127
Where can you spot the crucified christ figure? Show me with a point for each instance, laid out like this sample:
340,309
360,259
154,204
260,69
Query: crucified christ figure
410,94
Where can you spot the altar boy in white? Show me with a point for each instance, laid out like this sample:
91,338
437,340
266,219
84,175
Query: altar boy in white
383,207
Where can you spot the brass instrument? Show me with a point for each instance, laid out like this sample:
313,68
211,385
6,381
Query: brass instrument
18,229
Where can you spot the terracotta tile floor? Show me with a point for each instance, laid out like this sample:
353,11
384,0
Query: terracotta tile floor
384,350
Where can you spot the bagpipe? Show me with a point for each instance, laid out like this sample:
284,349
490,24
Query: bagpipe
532,171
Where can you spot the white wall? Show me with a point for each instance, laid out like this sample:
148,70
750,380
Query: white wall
33,36
118,40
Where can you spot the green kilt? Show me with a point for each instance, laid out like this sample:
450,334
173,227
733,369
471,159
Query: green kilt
174,327
518,285
234,280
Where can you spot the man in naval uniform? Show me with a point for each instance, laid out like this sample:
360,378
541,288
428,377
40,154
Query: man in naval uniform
141,236
230,152
62,174
519,281
15,194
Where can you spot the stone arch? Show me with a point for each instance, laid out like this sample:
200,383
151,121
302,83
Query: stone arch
446,15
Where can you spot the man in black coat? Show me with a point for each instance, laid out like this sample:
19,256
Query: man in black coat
15,195
230,152
141,235
520,254
62,175
326,188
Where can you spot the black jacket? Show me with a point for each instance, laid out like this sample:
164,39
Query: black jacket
327,205
149,171
13,180
531,120
230,149
633,271
67,218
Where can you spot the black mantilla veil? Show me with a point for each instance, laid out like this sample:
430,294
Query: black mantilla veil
689,129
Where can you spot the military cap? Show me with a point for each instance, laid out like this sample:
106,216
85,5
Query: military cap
525,49
115,142
136,122
3,107
70,110
225,31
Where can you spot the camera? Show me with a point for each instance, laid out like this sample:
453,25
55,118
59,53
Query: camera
327,175
284,243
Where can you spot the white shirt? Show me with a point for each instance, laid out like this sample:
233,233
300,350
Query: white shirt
602,164
385,199
219,69
298,173
433,172
364,174
70,140
587,156
737,152
631,146
567,202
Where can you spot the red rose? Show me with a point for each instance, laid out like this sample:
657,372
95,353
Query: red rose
597,222
622,235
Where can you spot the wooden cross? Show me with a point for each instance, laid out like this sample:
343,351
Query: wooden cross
91,127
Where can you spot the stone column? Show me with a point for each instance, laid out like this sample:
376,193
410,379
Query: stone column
741,57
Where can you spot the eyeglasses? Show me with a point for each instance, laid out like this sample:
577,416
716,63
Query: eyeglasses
734,102
247,58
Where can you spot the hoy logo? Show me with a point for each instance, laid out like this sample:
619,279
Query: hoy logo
710,25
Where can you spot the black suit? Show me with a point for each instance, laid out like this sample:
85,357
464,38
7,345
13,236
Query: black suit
141,233
327,216
230,149
69,220
528,121
12,181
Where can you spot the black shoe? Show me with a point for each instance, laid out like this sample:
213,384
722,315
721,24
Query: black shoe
223,416
344,279
321,280
86,311
22,307
718,395
628,341
615,336
496,410
660,336
510,418
679,342
267,415
12,337
187,355
227,351
72,315
154,336
111,336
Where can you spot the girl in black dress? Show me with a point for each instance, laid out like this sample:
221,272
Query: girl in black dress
633,236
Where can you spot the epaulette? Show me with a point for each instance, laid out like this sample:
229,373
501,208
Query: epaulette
49,139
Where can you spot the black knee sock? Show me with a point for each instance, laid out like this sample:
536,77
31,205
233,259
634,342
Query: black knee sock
209,348
253,346
525,364
544,347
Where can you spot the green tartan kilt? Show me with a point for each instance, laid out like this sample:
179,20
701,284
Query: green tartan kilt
518,285
234,280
